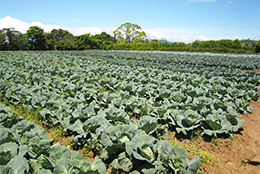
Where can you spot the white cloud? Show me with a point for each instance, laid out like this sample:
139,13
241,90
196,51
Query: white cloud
190,1
202,0
9,22
231,2
174,35
170,34
91,30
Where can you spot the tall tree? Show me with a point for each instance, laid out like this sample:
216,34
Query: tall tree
35,38
82,42
58,34
196,44
55,36
11,39
237,44
155,40
101,41
67,43
50,42
248,44
103,36
226,43
128,32
257,47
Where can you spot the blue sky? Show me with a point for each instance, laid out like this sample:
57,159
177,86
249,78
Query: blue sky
174,20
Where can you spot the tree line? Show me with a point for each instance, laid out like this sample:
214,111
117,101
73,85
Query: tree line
58,39
126,37
245,46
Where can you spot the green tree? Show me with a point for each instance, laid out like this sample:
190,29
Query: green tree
196,44
174,44
101,41
182,44
58,34
50,42
208,44
237,44
67,43
226,43
11,39
248,44
35,38
155,40
257,47
82,42
128,32
2,41
55,36
103,36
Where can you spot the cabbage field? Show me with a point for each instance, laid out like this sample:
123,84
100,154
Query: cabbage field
122,105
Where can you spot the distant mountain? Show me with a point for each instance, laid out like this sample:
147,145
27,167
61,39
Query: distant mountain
163,41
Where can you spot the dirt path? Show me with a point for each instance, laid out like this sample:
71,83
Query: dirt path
242,155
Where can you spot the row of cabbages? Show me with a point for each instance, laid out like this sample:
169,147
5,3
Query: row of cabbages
24,148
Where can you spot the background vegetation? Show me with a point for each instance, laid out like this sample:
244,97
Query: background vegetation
127,37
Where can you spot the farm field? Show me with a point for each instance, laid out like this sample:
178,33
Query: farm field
137,112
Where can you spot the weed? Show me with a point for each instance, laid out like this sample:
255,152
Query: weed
230,142
196,133
87,152
56,133
86,149
198,141
69,143
207,157
31,115
193,150
245,161
173,142
215,142
185,141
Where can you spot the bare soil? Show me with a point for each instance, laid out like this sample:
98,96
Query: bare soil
241,155
256,70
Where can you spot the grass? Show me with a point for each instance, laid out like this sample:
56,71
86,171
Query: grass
31,115
174,143
215,143
195,133
55,132
193,151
